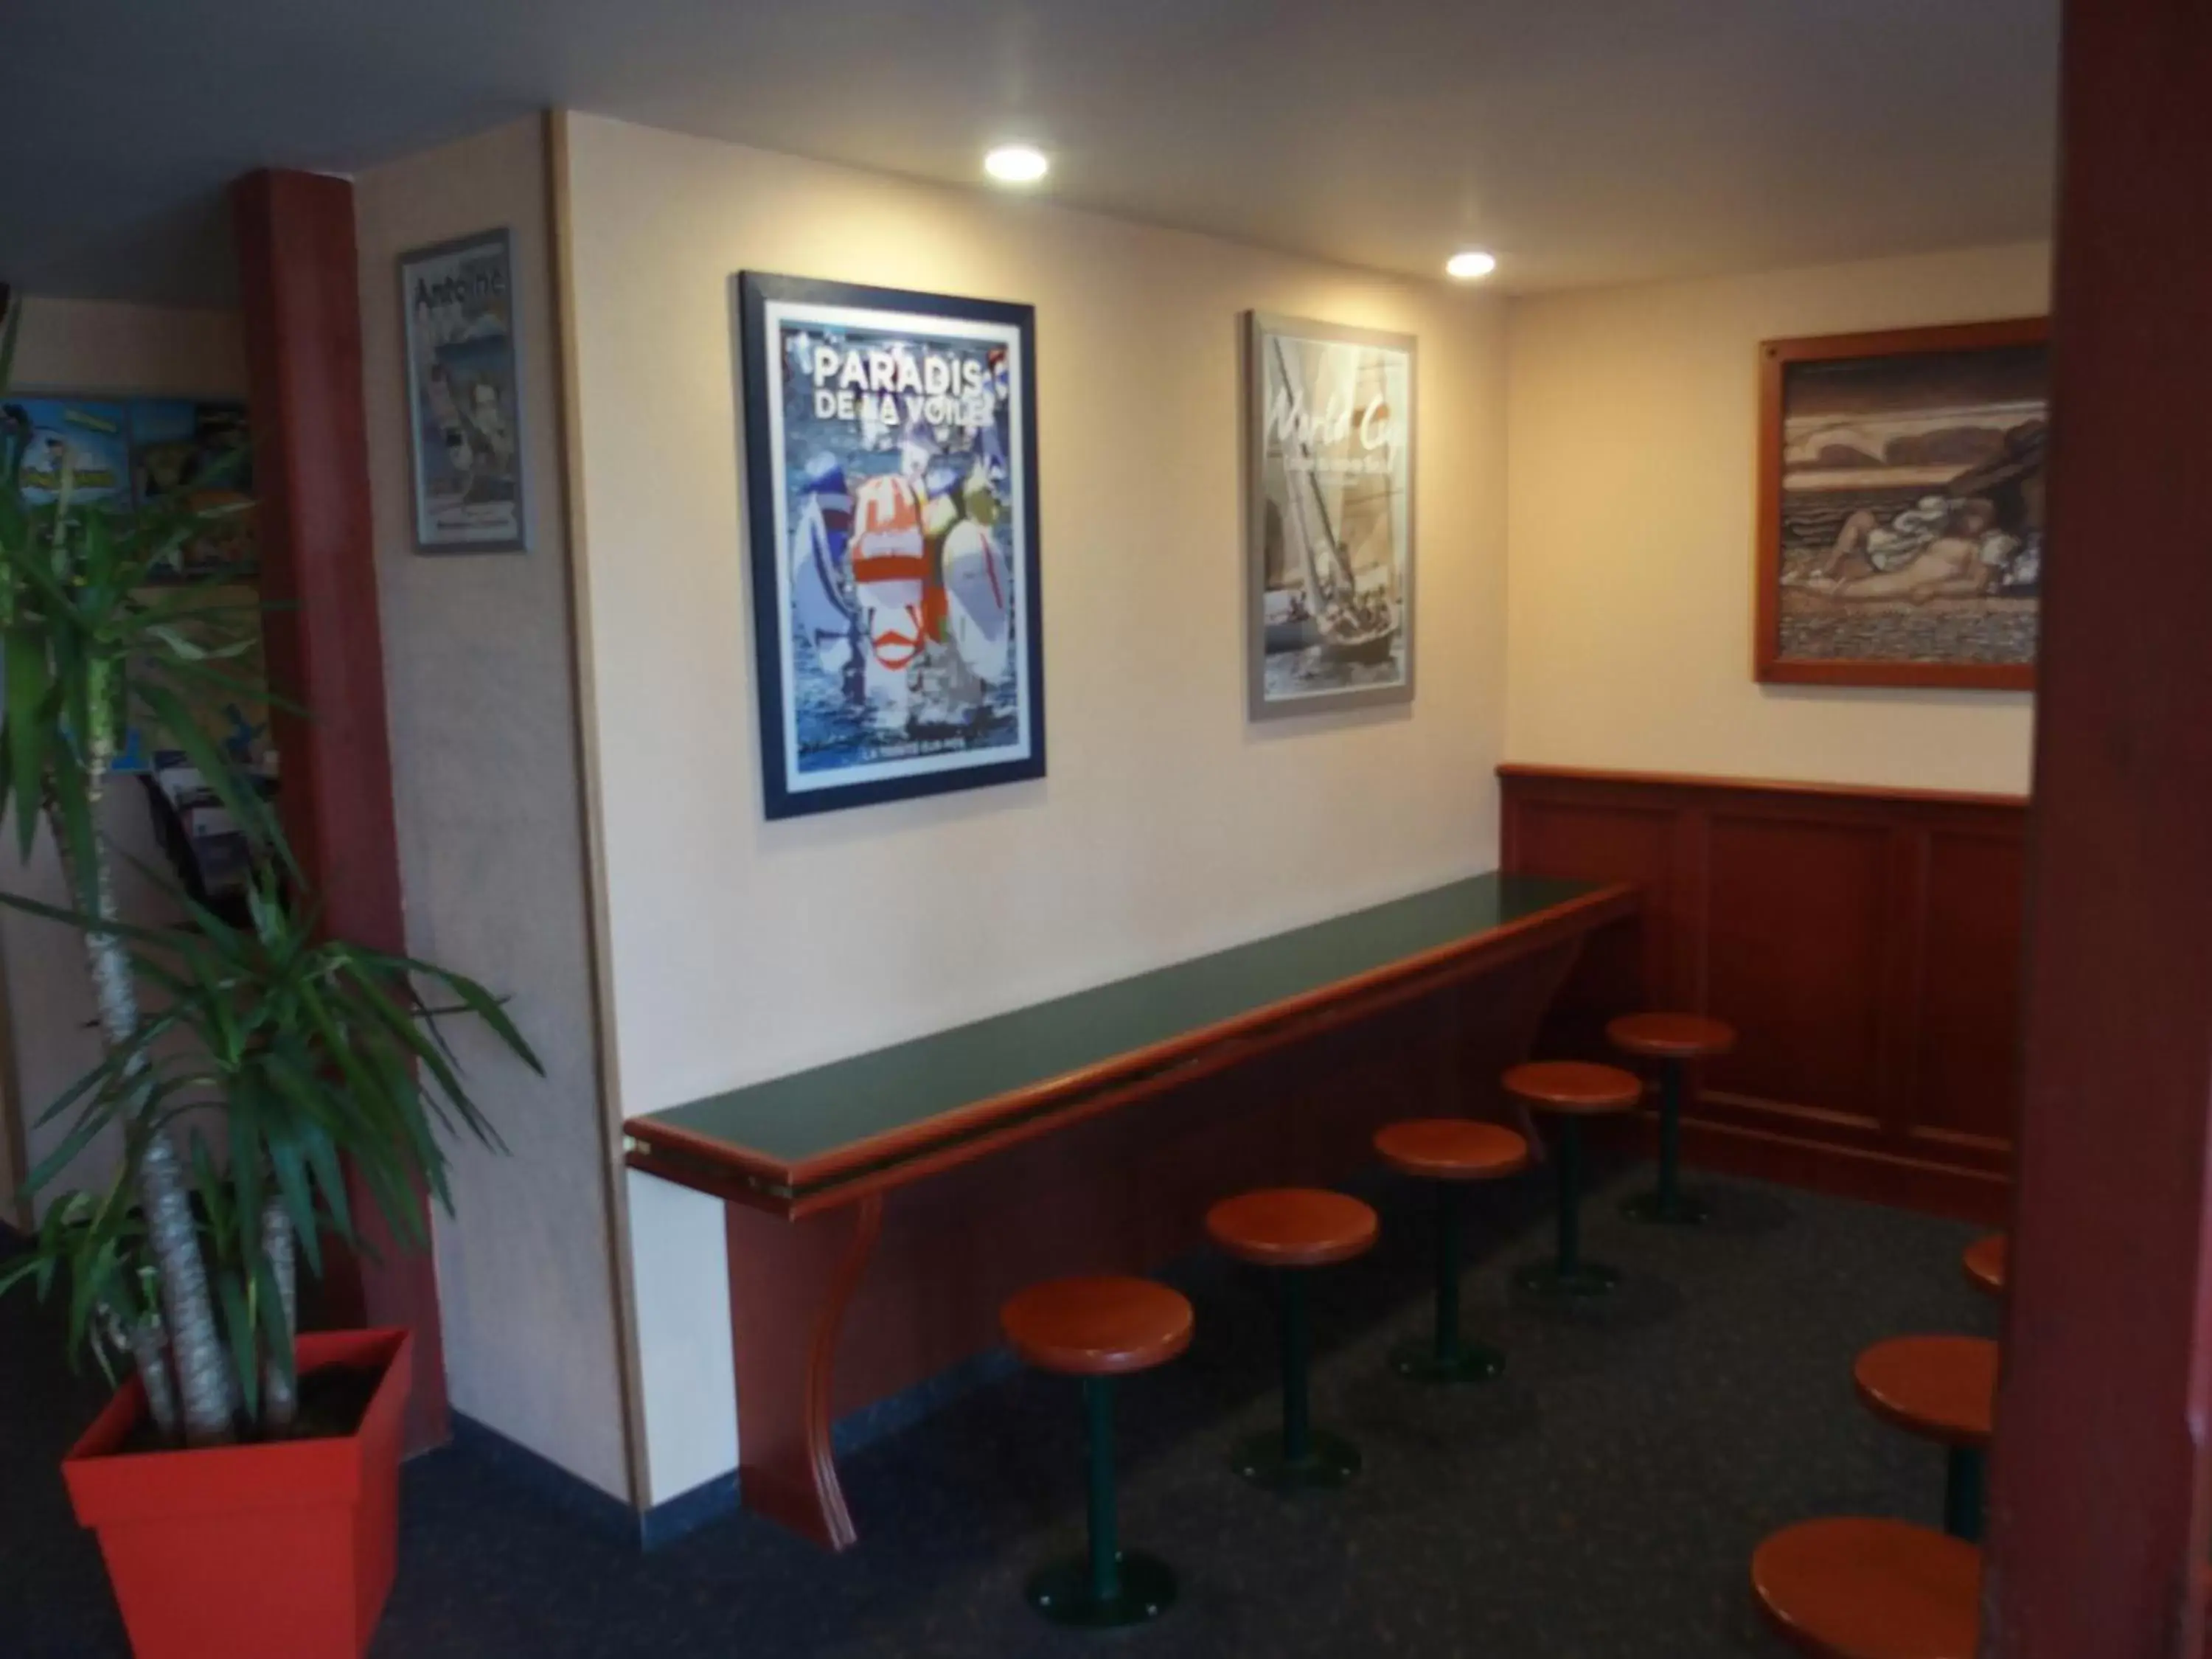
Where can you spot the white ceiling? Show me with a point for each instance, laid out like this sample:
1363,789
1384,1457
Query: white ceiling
1584,141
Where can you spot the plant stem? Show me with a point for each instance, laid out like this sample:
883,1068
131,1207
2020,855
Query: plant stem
280,1382
203,1369
147,1344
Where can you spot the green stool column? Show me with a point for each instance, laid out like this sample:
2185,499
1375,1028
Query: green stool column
1962,1493
1291,1230
1667,1204
1567,1275
1943,1389
1445,1358
1299,1456
1569,1090
1673,1041
1106,1587
1097,1328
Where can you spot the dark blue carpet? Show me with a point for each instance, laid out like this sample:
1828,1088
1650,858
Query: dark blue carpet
1601,1499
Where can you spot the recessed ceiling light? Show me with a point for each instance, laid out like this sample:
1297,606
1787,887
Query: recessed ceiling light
1471,263
1017,164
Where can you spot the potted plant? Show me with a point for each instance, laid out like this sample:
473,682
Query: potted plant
243,1478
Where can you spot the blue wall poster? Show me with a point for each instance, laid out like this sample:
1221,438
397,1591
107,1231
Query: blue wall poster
123,454
891,444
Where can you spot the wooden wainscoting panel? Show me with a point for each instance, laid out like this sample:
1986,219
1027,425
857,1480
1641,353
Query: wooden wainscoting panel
1809,1021
1864,942
1969,994
1548,837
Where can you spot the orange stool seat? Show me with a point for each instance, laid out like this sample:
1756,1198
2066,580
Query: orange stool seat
1985,1262
1103,1325
1452,1149
1944,1389
1859,1589
1671,1036
1575,1087
1292,1227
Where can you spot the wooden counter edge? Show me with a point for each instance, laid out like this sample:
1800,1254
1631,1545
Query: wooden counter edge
794,1187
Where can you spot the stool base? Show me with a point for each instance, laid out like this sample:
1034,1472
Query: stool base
1657,1210
1418,1361
1554,1283
1330,1460
1063,1593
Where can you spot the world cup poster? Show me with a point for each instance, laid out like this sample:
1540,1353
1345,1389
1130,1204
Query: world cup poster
891,477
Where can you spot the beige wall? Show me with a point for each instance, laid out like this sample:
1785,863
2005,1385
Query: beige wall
1169,824
46,1005
1631,422
96,345
480,682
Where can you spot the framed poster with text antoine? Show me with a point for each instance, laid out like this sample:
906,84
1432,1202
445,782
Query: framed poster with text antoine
464,432
891,475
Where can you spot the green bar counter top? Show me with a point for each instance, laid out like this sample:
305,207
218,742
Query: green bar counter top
803,1163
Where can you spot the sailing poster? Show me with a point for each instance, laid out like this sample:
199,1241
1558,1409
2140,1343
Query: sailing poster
1330,581
891,476
463,396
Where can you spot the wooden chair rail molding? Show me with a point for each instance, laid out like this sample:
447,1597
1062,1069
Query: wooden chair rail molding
1865,942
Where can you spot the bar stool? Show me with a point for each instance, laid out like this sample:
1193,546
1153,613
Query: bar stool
1572,1090
1293,1230
1673,1041
1985,1262
1855,1588
1943,1389
1098,1328
1449,1152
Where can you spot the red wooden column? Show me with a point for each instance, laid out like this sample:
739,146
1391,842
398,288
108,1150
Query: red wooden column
2098,1528
300,292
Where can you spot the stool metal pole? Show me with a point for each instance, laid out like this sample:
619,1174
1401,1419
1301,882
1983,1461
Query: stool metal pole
1297,1422
1450,1248
1570,1190
1670,1137
1105,1544
1962,1493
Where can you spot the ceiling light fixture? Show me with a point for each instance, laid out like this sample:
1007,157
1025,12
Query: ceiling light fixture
1017,164
1471,264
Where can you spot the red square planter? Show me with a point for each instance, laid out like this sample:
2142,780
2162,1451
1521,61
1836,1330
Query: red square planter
273,1552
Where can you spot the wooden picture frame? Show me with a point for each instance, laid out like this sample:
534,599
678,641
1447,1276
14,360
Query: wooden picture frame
1773,662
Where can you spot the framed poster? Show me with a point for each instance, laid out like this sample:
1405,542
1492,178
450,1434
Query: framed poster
124,452
1329,517
1900,507
891,465
464,396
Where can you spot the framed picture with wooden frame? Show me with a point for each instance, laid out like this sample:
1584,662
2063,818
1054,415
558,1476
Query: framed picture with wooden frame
1900,507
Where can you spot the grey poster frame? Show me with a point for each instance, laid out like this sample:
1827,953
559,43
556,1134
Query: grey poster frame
1259,326
503,237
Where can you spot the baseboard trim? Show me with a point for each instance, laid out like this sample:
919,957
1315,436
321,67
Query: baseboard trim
712,1500
1873,1177
688,1512
590,1505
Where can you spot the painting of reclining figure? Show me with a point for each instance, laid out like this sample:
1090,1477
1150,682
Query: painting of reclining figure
1901,506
